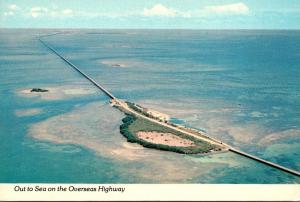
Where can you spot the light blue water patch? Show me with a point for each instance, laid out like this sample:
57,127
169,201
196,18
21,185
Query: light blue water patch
176,121
184,123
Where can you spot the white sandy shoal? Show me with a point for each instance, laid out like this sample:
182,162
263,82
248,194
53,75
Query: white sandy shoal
165,139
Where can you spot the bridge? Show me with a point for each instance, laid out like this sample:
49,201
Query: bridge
110,95
76,68
274,165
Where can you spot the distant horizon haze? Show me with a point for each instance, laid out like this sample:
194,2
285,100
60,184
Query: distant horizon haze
151,14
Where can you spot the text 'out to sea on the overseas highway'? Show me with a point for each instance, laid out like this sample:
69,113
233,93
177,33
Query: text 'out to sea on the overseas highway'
71,188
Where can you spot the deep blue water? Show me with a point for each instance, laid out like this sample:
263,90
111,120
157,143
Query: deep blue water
238,86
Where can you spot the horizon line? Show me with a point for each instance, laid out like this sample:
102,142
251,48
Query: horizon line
204,29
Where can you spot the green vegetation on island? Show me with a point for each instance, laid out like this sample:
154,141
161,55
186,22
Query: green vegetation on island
132,125
39,90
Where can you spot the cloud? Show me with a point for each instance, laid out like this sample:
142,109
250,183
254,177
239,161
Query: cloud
67,11
13,7
11,10
157,10
160,10
43,11
37,11
163,11
8,13
237,8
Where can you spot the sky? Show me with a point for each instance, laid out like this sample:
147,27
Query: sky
147,14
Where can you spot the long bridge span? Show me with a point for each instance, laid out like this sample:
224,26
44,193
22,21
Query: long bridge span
110,95
274,165
76,68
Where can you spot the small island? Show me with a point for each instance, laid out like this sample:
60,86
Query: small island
39,90
152,129
116,65
152,135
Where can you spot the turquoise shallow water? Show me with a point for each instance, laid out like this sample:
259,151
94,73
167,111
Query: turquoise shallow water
239,86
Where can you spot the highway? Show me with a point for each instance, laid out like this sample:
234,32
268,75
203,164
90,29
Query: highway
274,165
204,137
77,69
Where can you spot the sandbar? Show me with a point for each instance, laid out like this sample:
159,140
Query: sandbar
28,112
165,139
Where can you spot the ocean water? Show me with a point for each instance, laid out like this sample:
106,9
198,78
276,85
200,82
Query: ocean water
241,87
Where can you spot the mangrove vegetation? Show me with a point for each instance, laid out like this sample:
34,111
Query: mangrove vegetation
132,125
